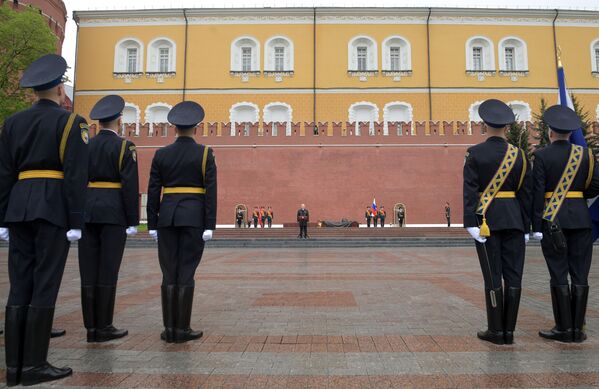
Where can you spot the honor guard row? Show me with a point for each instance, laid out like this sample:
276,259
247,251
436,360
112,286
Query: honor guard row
58,186
502,199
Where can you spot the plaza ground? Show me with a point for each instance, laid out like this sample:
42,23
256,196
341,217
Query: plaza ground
322,318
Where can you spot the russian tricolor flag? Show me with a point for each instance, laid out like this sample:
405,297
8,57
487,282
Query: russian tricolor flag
577,138
374,204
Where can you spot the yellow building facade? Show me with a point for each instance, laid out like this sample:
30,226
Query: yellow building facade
334,64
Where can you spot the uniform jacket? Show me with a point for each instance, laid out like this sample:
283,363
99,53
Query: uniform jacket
303,216
549,163
112,206
31,140
180,164
481,163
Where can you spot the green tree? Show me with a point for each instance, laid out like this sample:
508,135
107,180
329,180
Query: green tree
24,37
517,134
541,129
592,139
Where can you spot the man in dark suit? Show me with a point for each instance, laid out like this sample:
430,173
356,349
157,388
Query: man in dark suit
497,197
43,178
564,177
112,206
448,214
401,214
303,217
185,173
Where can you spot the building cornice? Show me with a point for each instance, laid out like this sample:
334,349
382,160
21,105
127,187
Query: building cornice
328,15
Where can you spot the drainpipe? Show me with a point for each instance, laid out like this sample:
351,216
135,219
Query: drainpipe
314,69
185,54
428,49
555,39
75,65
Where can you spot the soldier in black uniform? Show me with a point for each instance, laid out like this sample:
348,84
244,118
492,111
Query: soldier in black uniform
43,178
303,217
112,206
500,244
185,173
566,241
368,216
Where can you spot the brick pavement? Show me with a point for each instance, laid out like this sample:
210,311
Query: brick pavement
323,318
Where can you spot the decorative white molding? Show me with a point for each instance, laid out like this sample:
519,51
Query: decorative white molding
137,116
488,56
387,113
520,54
514,75
148,113
269,54
405,49
120,55
594,69
266,115
597,112
153,60
243,104
352,115
236,57
371,54
473,115
524,114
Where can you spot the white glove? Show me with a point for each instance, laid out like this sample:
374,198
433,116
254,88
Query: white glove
207,235
537,235
475,233
131,231
4,234
73,235
526,238
154,234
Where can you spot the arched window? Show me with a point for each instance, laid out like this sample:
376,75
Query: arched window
595,57
278,54
131,115
158,113
363,111
479,54
162,56
396,112
362,54
245,54
521,110
128,56
397,54
473,115
513,55
278,113
245,113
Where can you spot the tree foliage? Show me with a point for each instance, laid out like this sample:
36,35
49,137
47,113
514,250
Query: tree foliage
517,134
541,129
24,37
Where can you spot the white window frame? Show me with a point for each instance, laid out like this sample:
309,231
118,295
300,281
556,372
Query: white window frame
352,115
254,107
270,55
266,116
405,53
137,116
352,53
488,53
121,59
527,116
520,54
594,56
153,60
236,53
148,112
386,113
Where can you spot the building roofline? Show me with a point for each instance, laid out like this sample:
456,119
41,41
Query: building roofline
338,11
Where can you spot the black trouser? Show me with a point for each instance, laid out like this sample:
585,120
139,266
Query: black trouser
375,220
269,221
36,259
400,221
576,261
448,222
100,254
239,223
368,222
505,250
382,222
255,222
303,230
179,252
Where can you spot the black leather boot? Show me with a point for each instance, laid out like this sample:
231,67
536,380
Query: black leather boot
562,312
511,302
15,319
57,333
104,309
580,297
169,306
88,298
36,368
494,332
183,331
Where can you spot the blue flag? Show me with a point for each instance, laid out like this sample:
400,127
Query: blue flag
577,138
